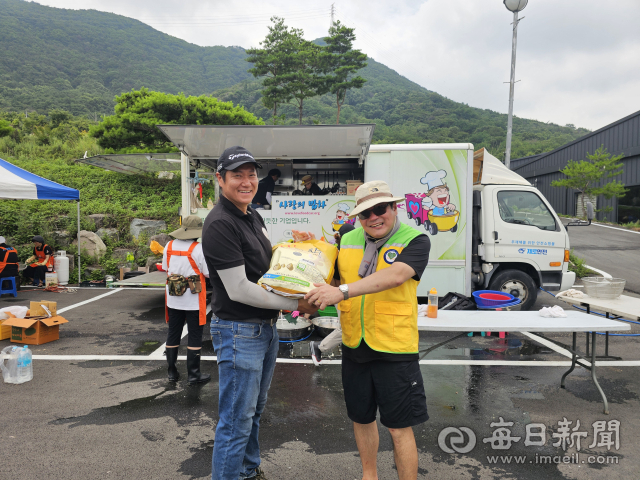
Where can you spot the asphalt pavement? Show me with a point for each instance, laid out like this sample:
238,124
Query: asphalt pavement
613,250
118,418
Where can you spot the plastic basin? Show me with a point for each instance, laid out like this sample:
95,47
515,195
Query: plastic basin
491,298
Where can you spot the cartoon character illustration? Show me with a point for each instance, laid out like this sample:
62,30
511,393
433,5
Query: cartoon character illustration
433,209
438,193
342,216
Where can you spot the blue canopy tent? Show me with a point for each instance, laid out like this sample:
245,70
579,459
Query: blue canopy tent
18,184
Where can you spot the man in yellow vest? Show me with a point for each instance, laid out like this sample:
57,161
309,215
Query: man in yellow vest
380,266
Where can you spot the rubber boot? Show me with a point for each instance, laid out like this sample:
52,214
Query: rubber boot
172,357
193,367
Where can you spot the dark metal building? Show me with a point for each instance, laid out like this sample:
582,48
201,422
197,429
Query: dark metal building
619,138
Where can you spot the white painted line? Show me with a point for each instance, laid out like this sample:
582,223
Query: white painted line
548,344
88,301
601,272
159,353
614,228
513,363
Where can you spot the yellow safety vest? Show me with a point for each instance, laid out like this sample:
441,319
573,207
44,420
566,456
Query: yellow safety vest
387,321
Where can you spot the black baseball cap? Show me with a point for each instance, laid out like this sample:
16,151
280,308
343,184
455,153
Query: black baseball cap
233,157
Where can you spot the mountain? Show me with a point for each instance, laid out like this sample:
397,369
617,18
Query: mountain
78,60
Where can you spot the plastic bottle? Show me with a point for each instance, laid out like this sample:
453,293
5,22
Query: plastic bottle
432,307
10,370
25,365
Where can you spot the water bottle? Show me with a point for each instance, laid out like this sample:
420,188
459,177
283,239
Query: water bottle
10,370
25,365
432,308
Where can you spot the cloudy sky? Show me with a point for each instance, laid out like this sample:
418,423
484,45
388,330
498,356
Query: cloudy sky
578,60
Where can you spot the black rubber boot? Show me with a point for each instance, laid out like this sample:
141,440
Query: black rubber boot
193,367
172,357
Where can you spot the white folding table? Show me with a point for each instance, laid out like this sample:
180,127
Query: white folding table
505,321
623,306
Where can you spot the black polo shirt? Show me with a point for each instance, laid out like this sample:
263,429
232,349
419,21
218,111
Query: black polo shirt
230,239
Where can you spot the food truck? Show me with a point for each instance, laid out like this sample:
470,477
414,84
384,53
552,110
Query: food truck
489,228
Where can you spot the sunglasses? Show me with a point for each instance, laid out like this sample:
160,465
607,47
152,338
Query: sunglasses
378,210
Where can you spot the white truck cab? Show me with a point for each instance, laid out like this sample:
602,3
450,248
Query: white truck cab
521,243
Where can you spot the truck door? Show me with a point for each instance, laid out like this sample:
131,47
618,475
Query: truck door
527,231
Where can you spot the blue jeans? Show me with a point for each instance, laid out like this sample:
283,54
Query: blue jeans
246,359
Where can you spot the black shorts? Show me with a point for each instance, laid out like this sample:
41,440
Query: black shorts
396,388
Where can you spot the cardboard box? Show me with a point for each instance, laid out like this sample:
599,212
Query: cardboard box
37,309
34,330
5,331
352,185
50,279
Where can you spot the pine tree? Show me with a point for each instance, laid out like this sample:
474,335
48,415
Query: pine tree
590,176
343,62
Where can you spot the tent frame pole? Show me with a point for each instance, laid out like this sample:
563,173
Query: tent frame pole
79,264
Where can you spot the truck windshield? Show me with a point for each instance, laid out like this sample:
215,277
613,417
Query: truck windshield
525,208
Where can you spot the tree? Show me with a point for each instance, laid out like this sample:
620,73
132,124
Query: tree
272,62
590,176
343,62
133,127
5,128
292,67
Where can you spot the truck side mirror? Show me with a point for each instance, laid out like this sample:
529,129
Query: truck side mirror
590,215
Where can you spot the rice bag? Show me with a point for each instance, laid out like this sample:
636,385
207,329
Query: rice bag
295,267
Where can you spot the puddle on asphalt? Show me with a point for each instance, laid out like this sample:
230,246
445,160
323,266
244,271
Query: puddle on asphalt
147,347
302,350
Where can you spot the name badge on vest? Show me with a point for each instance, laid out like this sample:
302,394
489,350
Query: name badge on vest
390,256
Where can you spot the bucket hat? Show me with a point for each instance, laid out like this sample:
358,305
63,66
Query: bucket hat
371,194
191,228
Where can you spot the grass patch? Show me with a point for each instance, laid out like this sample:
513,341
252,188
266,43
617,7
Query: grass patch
577,265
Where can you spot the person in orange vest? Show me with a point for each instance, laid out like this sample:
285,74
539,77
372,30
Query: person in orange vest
185,294
8,260
40,262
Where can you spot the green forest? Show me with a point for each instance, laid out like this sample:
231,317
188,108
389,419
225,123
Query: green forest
79,60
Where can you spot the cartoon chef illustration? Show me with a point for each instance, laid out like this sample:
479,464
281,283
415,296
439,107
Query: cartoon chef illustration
438,199
341,216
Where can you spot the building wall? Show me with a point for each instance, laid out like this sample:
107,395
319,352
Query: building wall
621,137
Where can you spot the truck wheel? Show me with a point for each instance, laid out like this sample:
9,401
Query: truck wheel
409,215
518,284
432,228
418,221
454,228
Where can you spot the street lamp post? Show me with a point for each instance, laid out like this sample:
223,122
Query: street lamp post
514,6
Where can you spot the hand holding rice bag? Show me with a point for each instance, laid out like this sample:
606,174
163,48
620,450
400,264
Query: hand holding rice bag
295,267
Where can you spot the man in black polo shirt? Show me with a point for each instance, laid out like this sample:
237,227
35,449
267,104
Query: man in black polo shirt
243,330
266,186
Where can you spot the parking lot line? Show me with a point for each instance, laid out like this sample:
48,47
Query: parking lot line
89,301
211,358
548,344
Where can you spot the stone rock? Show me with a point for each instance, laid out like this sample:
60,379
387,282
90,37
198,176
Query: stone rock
60,238
100,219
161,238
108,232
148,227
91,244
151,263
120,254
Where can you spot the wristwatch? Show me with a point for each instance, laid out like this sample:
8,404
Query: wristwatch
345,290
